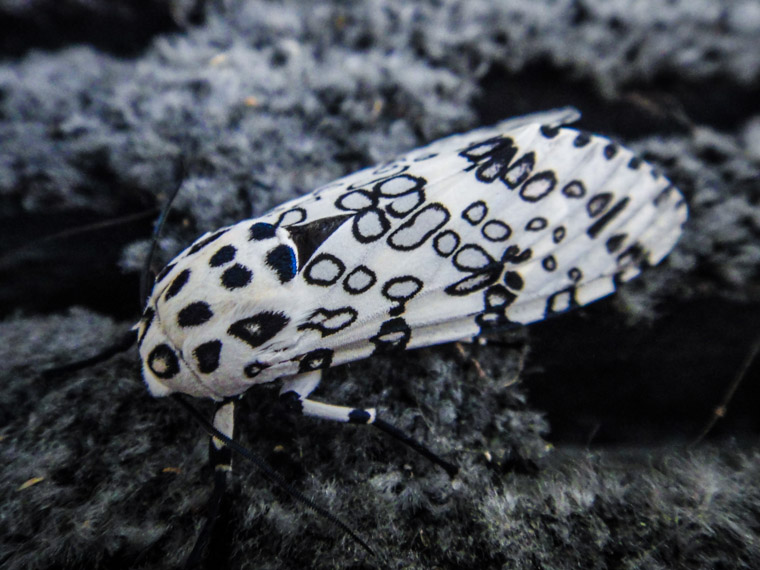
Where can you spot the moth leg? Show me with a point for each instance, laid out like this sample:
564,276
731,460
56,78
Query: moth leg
294,393
220,457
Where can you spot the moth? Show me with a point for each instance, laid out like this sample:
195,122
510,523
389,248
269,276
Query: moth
474,233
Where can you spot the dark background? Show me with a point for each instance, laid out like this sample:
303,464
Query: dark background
574,446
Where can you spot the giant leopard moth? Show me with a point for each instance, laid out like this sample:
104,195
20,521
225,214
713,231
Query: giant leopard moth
474,233
501,226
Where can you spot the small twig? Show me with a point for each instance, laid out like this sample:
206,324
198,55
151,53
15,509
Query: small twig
721,410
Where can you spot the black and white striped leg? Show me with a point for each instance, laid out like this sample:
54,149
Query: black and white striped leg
220,457
294,394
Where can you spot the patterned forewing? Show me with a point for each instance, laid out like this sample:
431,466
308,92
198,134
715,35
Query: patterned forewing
515,227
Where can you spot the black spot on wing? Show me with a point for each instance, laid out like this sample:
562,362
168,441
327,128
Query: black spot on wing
369,225
261,231
615,242
205,241
582,139
207,355
177,284
223,255
282,259
549,132
513,255
513,280
259,328
146,321
164,272
194,314
236,276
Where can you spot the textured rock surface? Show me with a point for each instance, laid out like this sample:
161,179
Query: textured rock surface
101,105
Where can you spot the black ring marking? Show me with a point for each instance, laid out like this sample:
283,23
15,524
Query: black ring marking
163,362
328,321
318,359
324,270
446,242
361,279
538,186
417,229
574,189
496,230
475,213
519,171
598,204
400,290
536,224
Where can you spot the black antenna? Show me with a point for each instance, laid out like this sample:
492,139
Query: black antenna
121,345
78,231
145,276
129,338
271,474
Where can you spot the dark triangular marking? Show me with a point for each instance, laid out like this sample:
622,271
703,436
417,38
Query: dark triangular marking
308,237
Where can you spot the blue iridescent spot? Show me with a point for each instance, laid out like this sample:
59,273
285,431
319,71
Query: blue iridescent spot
261,230
283,260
